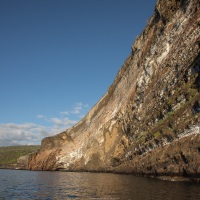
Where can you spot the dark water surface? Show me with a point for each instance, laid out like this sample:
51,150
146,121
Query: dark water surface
70,185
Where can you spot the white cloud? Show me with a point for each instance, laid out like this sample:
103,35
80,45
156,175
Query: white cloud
56,121
80,109
76,110
40,116
30,133
62,121
64,113
17,134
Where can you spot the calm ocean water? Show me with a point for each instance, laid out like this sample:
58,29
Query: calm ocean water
68,185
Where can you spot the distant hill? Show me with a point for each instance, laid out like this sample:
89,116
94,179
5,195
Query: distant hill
10,154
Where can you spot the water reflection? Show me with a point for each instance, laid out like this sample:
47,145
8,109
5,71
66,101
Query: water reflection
65,185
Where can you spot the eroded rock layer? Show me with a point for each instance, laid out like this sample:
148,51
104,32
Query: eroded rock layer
148,122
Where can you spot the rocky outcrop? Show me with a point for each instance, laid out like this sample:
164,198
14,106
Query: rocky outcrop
148,122
22,162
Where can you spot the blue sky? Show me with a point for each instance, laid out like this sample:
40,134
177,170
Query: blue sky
58,58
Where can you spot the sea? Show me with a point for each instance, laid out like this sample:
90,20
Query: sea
47,185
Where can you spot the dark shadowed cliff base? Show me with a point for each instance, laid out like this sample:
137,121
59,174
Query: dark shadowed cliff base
148,122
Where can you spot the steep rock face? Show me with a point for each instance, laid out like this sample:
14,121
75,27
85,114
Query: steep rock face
148,122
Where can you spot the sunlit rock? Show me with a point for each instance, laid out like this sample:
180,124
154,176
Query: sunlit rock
148,122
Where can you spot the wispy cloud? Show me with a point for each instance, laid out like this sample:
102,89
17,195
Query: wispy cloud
40,116
64,113
79,108
31,133
62,121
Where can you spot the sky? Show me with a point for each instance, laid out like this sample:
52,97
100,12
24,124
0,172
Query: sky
58,58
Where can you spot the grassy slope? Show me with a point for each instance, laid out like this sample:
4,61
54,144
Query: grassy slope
9,155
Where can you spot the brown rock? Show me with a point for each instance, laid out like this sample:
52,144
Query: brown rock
148,121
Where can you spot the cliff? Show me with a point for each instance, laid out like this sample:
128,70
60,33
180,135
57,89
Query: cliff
148,122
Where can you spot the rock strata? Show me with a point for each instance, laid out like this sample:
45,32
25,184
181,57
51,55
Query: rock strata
148,122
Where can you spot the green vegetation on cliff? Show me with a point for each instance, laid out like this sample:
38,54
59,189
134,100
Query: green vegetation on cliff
10,154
